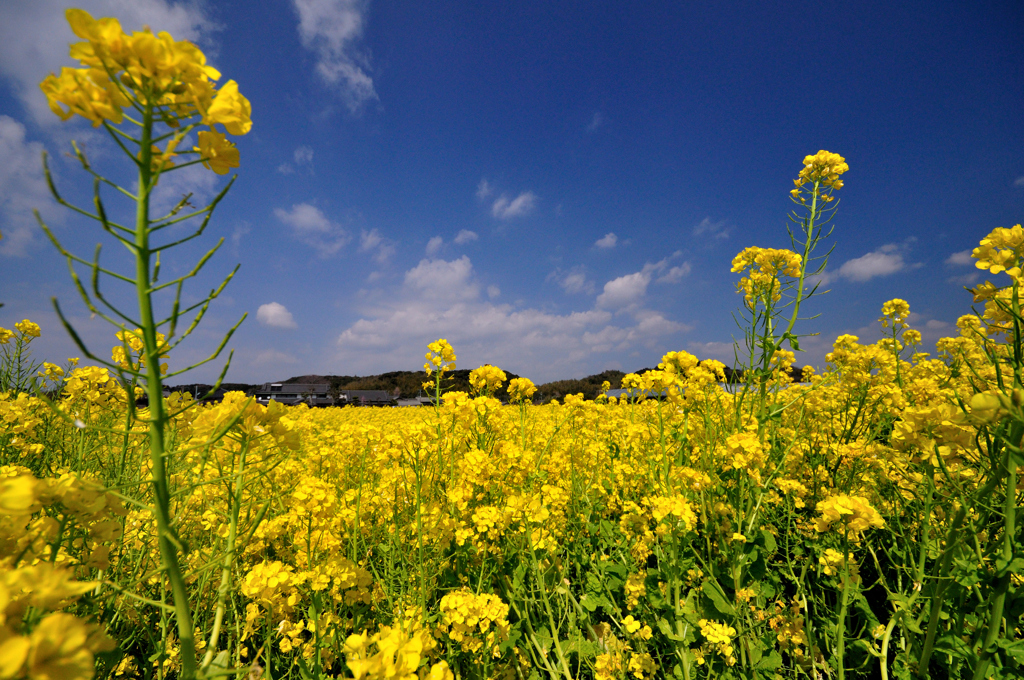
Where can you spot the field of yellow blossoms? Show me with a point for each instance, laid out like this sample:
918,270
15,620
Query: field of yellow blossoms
862,522
710,534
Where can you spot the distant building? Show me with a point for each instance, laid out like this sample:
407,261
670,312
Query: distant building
320,395
415,401
295,393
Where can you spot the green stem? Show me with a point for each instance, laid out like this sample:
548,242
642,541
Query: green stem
841,623
229,558
169,544
808,246
995,617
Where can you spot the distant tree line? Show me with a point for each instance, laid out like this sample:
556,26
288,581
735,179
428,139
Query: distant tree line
410,383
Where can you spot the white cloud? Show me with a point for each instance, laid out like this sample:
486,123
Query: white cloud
596,121
484,189
22,188
1019,182
34,37
442,299
607,241
675,274
434,246
465,236
493,292
881,262
331,29
443,280
961,258
624,291
522,204
286,169
312,227
715,230
573,281
275,315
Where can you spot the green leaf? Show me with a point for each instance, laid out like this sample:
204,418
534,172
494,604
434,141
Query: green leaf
768,541
717,597
770,662
1014,566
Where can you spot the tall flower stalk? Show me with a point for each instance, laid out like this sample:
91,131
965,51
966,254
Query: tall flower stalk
150,93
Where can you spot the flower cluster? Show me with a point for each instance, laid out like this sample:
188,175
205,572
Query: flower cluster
157,73
854,513
764,267
474,622
719,636
486,379
820,170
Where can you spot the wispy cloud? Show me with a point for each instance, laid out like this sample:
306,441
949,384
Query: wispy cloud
883,261
574,281
709,228
372,240
331,29
275,315
484,189
607,241
465,236
1019,182
434,246
627,292
310,226
22,189
303,156
596,121
675,274
962,258
523,204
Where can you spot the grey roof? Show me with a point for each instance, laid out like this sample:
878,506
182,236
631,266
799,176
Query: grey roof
371,396
300,389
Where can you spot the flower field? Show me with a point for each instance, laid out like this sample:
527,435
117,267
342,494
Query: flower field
859,523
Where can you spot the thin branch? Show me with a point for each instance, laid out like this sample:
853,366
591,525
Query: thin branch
208,209
213,356
78,340
195,270
204,304
99,295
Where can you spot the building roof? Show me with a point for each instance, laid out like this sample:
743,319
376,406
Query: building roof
294,388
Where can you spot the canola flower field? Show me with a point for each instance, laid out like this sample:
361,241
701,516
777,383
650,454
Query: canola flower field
861,523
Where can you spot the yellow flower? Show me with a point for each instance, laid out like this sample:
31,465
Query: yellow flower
218,154
824,169
1001,251
486,379
520,389
854,512
230,109
28,328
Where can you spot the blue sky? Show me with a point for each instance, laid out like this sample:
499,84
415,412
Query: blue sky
557,188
